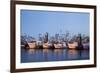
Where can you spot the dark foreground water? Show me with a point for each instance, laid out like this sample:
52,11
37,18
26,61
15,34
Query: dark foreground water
44,55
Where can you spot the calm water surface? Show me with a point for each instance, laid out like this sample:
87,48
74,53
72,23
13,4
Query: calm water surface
44,55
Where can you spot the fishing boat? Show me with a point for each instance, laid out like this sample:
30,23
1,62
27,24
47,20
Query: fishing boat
58,45
64,45
39,44
31,45
85,45
72,45
45,45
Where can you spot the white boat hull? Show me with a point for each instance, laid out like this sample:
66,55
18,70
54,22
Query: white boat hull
32,45
72,45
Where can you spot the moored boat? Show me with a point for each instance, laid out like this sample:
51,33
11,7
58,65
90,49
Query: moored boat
58,45
72,45
64,44
85,45
45,45
39,45
31,45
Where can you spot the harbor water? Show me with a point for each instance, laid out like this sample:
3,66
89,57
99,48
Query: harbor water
46,55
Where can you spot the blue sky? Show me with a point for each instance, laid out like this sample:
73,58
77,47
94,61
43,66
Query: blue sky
34,22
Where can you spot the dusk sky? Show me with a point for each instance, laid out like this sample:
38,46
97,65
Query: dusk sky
34,22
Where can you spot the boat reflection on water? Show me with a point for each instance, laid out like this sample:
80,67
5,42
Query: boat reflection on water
58,51
72,54
31,51
45,51
44,55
